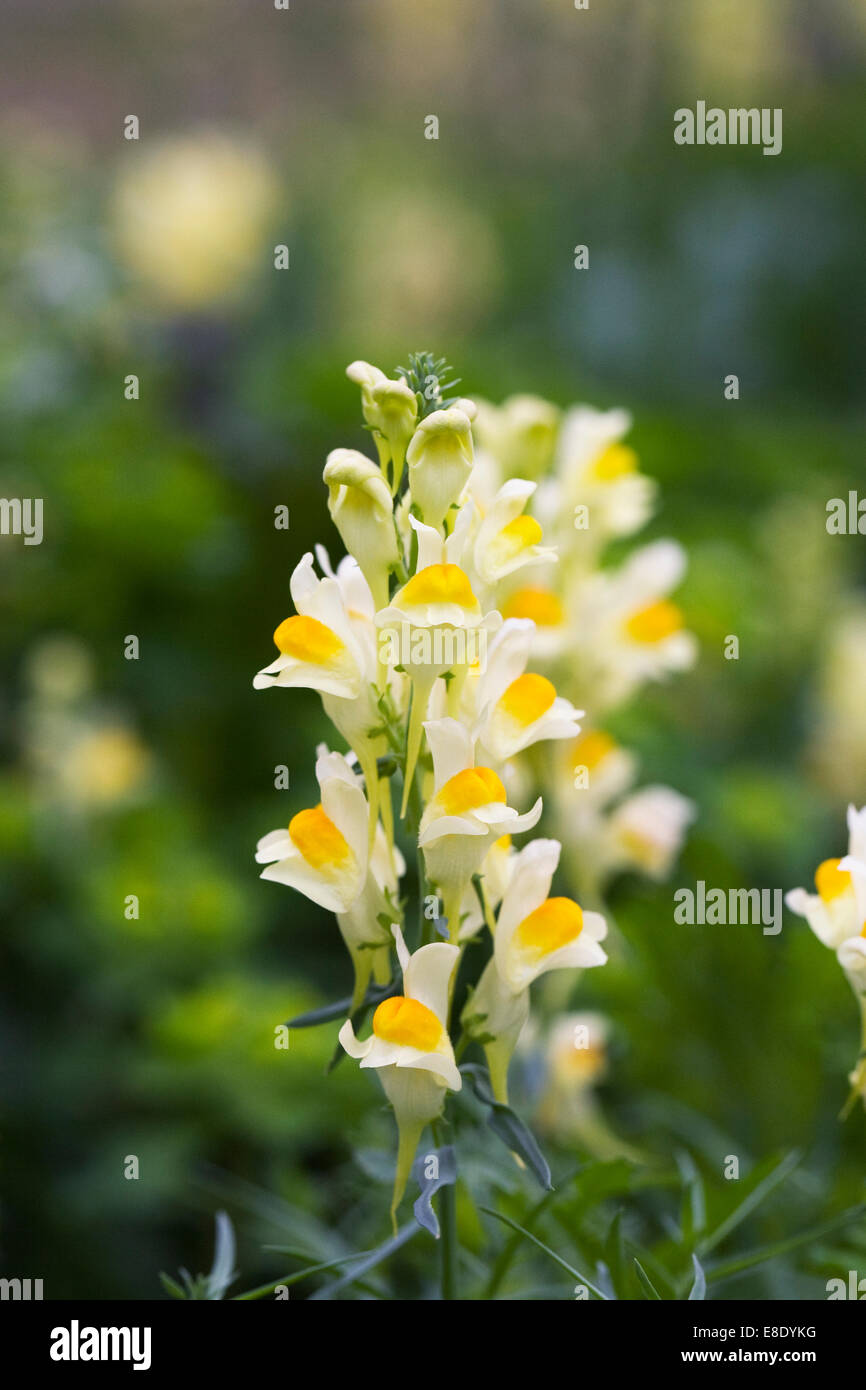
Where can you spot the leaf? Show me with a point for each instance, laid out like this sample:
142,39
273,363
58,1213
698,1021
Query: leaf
646,1283
693,1218
507,1126
375,1164
222,1272
750,1202
509,1250
728,1268
614,1252
604,1280
295,1278
375,994
699,1287
563,1264
368,1262
446,1175
171,1286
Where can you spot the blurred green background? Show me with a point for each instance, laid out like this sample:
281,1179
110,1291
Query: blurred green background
155,777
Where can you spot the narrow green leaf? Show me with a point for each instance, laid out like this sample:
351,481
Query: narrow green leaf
693,1217
288,1279
512,1245
369,1261
727,1268
699,1287
750,1202
507,1126
171,1286
646,1283
375,994
614,1252
563,1264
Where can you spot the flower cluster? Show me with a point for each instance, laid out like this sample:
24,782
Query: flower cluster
836,912
468,596
600,632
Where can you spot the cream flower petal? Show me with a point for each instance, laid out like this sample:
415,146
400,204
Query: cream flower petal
831,924
353,1045
581,954
451,746
431,547
531,877
507,656
857,832
857,869
427,976
344,802
451,825
851,955
277,844
296,873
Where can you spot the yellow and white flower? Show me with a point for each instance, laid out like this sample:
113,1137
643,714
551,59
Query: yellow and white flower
435,624
329,645
627,629
520,433
596,470
191,216
390,409
324,854
508,538
516,708
645,832
592,771
440,462
535,933
361,508
836,912
323,646
467,813
411,1049
540,604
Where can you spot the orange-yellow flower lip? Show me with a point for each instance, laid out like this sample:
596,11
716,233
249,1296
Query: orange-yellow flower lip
591,748
830,880
318,839
306,639
439,584
528,697
408,1023
655,622
520,534
616,461
555,923
469,789
541,605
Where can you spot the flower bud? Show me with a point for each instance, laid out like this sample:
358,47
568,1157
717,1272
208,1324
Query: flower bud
390,409
359,501
521,434
440,459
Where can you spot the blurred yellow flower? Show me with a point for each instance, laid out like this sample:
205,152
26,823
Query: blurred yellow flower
190,217
106,766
